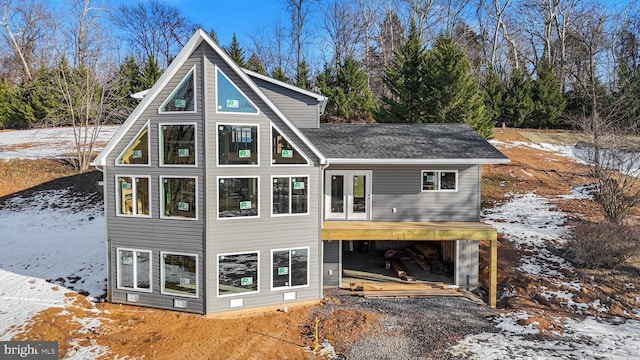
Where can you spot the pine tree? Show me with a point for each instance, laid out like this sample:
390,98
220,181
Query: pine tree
628,93
150,73
404,78
255,64
130,82
235,51
451,93
518,104
279,74
302,75
493,92
548,102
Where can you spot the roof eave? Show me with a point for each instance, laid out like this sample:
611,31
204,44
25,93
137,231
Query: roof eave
475,161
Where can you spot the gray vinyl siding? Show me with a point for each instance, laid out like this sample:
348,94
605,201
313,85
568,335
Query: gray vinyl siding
264,233
332,263
302,110
399,187
156,234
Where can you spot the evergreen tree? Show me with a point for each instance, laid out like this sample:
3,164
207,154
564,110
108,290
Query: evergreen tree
6,111
130,79
518,104
302,75
150,73
279,74
214,36
347,91
493,92
451,94
235,51
548,102
255,64
628,93
404,78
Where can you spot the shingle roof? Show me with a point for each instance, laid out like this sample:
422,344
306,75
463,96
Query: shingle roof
413,142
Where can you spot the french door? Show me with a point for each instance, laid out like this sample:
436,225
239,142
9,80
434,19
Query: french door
348,195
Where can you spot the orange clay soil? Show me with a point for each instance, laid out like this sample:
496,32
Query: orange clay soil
269,334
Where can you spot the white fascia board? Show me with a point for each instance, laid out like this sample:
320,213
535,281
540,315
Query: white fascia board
341,161
140,94
245,77
283,84
175,65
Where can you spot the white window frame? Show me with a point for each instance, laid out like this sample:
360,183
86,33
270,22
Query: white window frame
161,145
219,71
289,287
135,270
195,95
290,177
133,196
119,158
218,197
218,124
257,252
161,188
162,279
286,138
438,174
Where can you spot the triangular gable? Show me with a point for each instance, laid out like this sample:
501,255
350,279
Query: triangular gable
183,97
137,151
198,37
230,99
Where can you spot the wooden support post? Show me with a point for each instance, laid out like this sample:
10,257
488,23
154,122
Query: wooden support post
493,273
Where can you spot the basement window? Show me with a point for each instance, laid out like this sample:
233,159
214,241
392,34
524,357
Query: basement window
439,180
134,269
290,268
179,273
238,274
132,195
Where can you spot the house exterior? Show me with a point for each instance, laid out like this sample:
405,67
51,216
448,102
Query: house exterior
223,191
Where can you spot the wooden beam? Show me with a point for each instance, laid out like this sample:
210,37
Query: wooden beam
409,231
493,274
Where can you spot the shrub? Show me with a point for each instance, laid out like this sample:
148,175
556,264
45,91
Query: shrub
603,245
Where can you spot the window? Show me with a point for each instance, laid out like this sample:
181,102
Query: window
283,152
237,197
237,274
178,198
132,197
237,144
439,180
134,269
179,274
289,195
182,99
178,144
230,98
290,268
137,152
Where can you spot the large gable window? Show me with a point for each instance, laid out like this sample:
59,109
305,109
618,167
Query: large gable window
230,98
237,144
134,269
283,152
439,180
237,274
137,152
178,198
290,195
182,99
238,197
178,144
132,197
290,268
179,274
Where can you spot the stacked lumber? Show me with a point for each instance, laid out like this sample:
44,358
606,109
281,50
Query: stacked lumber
428,251
390,290
419,259
399,270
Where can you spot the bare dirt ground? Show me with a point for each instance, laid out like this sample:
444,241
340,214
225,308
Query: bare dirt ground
344,320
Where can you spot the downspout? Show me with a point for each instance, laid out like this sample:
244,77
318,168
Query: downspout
106,238
324,165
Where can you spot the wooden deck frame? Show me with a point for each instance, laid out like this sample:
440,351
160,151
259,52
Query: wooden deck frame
420,231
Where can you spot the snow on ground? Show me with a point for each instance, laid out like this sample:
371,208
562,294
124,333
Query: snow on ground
536,227
45,143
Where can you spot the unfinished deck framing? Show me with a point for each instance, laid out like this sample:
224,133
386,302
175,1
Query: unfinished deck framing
420,231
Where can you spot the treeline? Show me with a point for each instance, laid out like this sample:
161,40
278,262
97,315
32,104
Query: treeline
524,63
